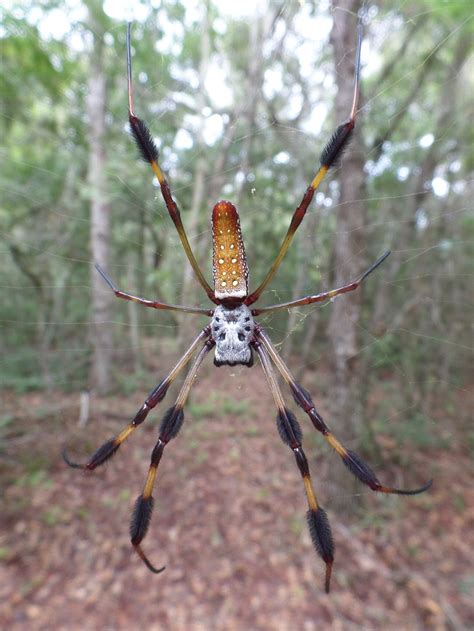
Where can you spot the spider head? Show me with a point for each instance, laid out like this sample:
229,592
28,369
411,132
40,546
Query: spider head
232,330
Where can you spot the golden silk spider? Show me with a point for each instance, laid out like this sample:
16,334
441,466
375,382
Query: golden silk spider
235,336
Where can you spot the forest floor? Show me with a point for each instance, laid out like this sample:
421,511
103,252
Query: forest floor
229,523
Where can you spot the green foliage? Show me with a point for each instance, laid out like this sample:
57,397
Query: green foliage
4,554
216,406
466,585
35,475
53,515
418,431
470,442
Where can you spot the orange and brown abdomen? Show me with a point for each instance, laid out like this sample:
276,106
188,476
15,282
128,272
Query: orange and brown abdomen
229,263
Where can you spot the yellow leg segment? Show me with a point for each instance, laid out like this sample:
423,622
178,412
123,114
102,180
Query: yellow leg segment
308,487
150,481
318,177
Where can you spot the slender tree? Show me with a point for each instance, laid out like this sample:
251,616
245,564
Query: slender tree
198,199
99,202
348,255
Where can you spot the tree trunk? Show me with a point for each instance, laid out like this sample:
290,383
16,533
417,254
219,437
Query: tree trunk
305,260
100,213
348,257
189,287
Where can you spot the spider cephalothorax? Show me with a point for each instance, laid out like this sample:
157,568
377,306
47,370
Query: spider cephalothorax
235,334
232,331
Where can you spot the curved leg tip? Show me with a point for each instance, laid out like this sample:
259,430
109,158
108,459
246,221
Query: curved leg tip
145,560
157,571
71,463
421,489
327,581
425,487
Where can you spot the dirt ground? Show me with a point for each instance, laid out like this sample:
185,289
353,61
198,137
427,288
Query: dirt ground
229,524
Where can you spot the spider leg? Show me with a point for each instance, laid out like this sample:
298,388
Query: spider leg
170,426
149,152
329,157
108,449
149,303
353,462
327,295
290,433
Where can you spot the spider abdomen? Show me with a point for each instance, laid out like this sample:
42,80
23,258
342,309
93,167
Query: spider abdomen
232,330
229,263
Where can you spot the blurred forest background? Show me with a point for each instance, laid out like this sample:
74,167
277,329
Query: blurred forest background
241,98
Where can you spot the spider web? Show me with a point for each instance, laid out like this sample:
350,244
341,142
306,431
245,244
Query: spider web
444,204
